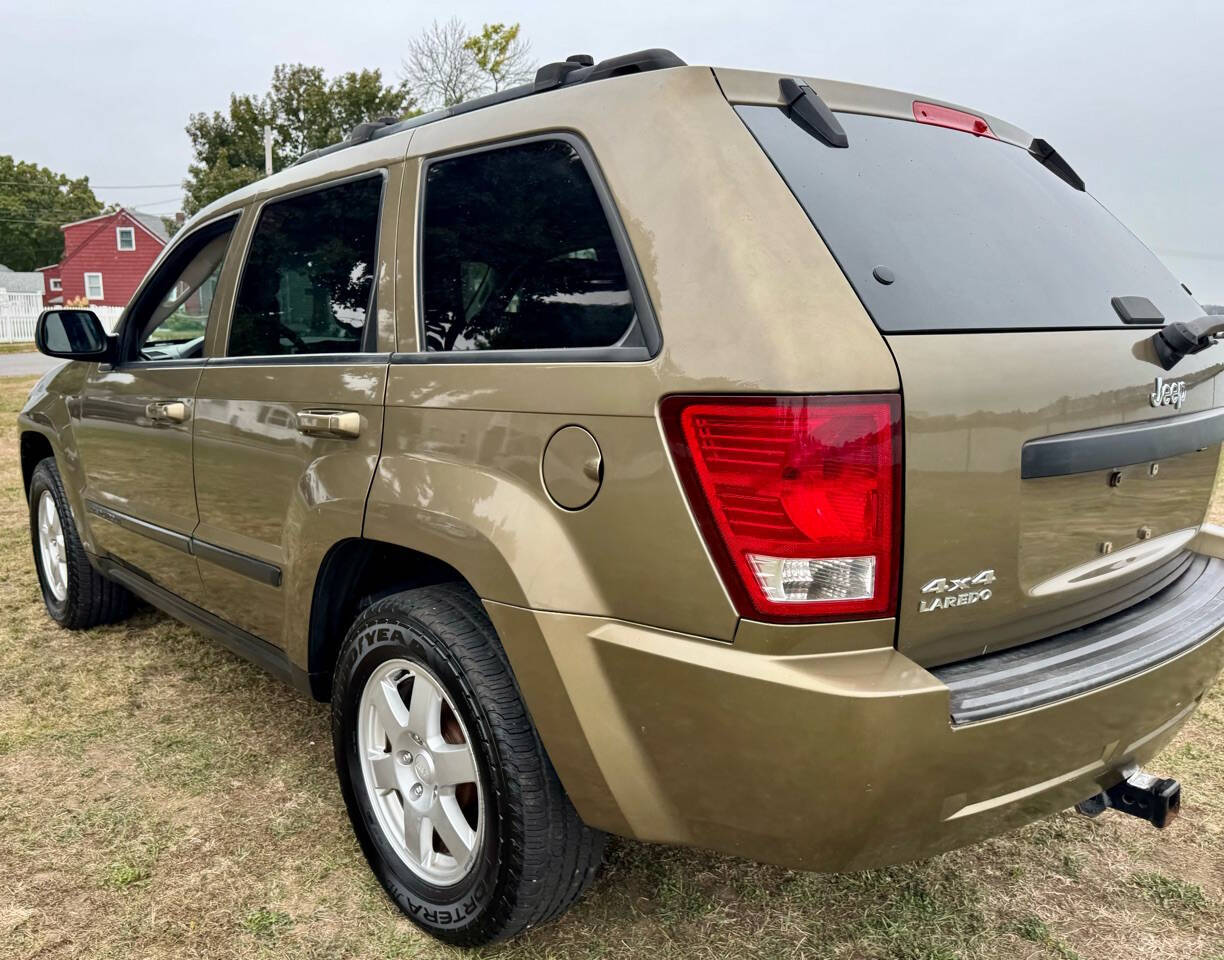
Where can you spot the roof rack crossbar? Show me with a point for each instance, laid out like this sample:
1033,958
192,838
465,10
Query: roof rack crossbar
577,68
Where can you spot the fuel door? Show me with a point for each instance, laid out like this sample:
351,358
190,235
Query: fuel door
572,468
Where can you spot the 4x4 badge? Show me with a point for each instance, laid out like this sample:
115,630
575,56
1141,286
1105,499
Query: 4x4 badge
957,591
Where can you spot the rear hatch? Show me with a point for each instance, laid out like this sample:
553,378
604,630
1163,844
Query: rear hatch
992,281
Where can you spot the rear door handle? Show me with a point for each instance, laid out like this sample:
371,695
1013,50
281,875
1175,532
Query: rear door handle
171,411
329,423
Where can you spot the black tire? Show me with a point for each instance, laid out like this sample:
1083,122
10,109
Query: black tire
90,599
535,857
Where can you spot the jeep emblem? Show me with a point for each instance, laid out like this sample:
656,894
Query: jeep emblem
1171,393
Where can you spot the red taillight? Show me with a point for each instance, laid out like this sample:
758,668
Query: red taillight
933,113
798,499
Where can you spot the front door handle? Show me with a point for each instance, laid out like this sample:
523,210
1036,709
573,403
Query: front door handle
329,423
171,411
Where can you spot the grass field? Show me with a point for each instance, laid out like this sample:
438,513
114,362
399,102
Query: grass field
162,798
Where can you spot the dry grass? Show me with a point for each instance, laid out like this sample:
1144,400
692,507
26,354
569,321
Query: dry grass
161,798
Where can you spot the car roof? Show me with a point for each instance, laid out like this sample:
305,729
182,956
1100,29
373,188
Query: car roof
762,87
385,139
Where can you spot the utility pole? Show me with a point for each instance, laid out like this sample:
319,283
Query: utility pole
268,150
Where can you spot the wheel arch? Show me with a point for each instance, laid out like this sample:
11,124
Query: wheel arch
39,440
35,447
358,571
354,573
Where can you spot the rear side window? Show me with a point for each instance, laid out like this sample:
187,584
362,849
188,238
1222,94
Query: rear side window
518,254
308,281
977,233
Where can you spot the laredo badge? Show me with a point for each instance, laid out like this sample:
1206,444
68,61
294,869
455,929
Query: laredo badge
957,591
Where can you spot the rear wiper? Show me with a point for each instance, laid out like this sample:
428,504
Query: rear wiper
1178,340
804,106
1053,161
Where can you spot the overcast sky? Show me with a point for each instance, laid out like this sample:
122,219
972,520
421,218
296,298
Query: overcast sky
1130,93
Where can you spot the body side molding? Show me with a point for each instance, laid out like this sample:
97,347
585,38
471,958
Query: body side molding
230,559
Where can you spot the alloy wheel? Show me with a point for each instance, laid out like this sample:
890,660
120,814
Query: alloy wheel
52,547
420,772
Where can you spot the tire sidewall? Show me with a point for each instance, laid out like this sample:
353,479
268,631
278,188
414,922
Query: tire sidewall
44,480
372,641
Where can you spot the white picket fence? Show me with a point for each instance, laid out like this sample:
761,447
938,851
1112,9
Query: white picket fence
19,312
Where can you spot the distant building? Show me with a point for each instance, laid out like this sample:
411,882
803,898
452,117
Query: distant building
105,258
13,282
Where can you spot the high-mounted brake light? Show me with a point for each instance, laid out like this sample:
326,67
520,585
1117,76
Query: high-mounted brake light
798,499
939,116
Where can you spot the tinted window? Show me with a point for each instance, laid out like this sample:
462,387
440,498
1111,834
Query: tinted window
978,234
309,276
518,254
171,317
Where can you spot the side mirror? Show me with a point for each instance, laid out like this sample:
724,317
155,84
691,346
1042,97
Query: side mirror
72,335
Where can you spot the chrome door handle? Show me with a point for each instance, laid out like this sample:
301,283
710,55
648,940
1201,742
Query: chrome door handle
173,411
329,423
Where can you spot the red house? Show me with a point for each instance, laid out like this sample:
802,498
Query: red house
105,258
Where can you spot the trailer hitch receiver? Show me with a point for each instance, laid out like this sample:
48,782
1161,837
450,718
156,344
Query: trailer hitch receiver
1139,794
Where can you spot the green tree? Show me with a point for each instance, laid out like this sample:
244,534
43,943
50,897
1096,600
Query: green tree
446,64
34,203
305,111
501,55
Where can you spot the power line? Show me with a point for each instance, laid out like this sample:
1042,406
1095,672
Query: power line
157,203
151,203
134,186
60,222
102,186
57,223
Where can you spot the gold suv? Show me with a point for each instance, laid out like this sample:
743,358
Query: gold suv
796,469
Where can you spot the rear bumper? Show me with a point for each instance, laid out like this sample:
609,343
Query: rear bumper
1187,607
818,761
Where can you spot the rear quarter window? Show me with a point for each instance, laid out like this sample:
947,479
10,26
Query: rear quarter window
977,233
518,254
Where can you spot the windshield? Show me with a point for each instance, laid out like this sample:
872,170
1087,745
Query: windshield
977,235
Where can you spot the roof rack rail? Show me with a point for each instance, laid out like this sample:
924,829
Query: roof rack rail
577,68
359,134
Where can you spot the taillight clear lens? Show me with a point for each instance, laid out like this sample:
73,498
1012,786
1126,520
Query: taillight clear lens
798,499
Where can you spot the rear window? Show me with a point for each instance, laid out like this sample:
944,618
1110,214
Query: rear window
977,234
